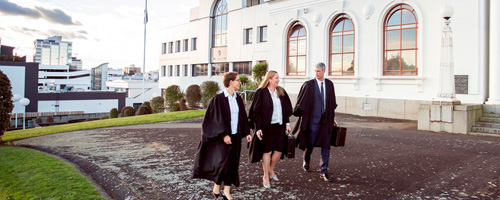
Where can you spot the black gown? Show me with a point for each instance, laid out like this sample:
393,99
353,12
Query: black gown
215,160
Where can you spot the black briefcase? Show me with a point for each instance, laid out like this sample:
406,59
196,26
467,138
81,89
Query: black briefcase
291,146
338,136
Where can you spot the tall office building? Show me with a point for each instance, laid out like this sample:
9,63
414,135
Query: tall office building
53,51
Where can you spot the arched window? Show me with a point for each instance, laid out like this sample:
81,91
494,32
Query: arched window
220,24
342,46
400,41
297,50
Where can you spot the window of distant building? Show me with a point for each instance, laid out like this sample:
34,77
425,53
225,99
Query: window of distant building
200,70
218,69
400,41
243,68
163,48
186,70
220,24
263,34
163,70
248,35
177,70
250,3
170,70
177,46
193,44
341,46
185,45
296,50
170,47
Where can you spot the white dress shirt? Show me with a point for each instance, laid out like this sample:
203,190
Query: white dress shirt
233,107
324,90
277,116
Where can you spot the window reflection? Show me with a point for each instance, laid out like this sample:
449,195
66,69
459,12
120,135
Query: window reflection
220,23
297,50
400,41
342,46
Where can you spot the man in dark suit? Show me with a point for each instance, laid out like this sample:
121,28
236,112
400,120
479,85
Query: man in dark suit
315,108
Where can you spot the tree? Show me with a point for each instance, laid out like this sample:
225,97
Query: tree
193,96
113,113
144,110
128,111
157,104
209,89
6,105
172,96
259,71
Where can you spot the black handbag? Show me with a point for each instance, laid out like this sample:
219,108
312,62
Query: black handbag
291,146
338,136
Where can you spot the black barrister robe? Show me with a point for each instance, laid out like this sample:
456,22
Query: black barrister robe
260,116
211,161
304,108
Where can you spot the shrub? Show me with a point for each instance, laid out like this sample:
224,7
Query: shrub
157,104
127,111
252,85
182,104
209,89
259,71
6,105
113,113
105,117
146,103
38,120
193,96
172,96
243,78
144,110
50,119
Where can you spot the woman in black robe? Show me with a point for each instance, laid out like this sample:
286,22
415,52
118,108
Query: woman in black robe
270,112
224,125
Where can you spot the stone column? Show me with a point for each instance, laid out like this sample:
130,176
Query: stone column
494,79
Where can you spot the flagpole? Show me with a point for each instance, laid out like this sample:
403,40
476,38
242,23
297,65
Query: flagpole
144,55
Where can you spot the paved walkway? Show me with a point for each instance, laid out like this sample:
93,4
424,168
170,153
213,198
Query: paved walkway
382,159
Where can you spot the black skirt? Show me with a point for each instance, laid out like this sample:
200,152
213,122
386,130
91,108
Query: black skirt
273,138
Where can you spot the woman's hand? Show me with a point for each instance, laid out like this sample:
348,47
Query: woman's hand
227,139
259,134
288,129
335,122
249,138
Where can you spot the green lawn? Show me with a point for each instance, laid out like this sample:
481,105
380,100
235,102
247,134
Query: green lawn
29,174
124,121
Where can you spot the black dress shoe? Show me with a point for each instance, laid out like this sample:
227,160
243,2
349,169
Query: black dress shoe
305,166
325,177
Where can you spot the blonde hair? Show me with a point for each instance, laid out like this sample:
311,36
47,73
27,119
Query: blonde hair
265,82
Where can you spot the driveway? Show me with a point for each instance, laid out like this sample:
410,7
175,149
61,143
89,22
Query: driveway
382,159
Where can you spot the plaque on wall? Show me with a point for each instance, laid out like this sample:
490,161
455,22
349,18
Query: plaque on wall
461,84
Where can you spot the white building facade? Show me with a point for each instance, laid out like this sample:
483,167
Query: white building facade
383,56
53,51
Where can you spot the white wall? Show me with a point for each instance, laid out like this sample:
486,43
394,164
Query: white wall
16,75
88,106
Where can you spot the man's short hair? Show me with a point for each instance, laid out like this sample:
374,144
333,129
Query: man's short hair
321,66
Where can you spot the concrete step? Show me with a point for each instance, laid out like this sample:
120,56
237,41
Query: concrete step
484,134
491,115
487,124
489,119
486,130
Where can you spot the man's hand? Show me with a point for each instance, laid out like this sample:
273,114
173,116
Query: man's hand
335,122
227,139
288,129
259,134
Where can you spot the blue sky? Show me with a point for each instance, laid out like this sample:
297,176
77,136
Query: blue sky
101,30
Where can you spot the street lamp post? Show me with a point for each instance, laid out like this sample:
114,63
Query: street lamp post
446,90
24,102
16,98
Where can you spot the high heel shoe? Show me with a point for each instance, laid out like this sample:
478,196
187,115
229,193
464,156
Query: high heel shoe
216,196
275,178
224,197
267,186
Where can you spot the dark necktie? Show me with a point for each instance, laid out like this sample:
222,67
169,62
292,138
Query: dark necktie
322,99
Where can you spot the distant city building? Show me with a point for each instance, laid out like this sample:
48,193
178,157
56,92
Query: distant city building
132,70
76,63
53,51
57,78
101,74
133,90
7,54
